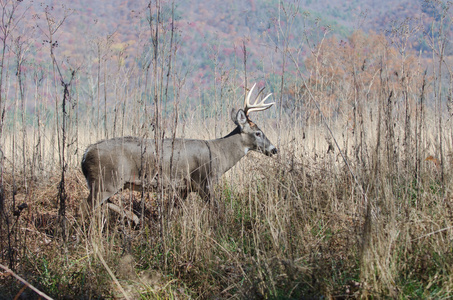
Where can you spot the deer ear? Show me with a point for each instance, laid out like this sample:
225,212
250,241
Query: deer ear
233,115
239,117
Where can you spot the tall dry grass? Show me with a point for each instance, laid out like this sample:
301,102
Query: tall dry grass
356,204
293,226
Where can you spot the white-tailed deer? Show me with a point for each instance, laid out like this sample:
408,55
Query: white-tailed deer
187,165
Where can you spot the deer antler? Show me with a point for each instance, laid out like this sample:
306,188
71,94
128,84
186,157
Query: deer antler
256,106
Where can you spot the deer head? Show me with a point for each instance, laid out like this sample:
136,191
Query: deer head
253,137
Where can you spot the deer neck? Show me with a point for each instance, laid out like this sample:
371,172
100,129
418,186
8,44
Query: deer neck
227,151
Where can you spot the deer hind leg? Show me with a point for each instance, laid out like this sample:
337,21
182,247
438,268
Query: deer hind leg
122,212
101,191
97,196
102,197
109,192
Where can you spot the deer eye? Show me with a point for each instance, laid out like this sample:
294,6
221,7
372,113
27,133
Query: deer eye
258,134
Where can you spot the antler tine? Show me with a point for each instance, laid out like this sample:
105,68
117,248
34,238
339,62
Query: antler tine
259,93
256,106
261,106
247,100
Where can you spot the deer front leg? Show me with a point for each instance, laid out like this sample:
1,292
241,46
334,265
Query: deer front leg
203,188
207,193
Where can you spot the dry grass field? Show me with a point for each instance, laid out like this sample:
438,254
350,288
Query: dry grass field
302,224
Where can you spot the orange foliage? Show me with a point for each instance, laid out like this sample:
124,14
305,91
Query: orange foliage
434,160
358,69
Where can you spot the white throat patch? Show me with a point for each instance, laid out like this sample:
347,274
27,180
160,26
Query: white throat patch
246,150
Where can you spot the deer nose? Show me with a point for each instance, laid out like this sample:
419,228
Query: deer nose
274,150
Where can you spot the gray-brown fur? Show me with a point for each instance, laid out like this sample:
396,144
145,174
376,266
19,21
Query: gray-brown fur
187,165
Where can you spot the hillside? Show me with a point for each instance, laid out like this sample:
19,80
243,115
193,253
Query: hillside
210,35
